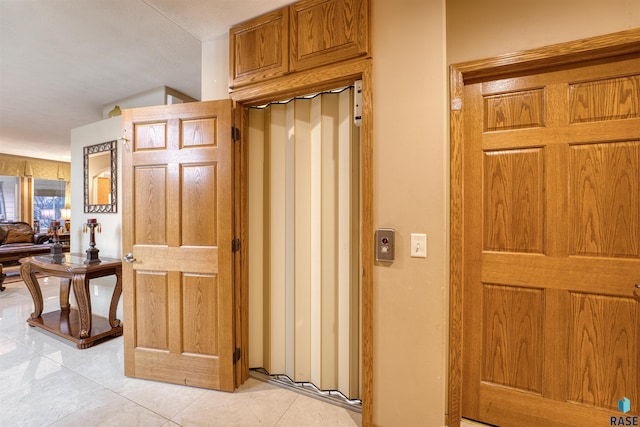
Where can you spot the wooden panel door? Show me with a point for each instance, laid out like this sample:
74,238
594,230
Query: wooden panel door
327,31
177,224
552,247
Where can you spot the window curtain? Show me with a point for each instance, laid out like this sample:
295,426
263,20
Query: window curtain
34,168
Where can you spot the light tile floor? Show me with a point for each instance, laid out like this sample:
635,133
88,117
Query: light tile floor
47,381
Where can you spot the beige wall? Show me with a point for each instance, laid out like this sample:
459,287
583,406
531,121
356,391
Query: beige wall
482,29
410,195
215,69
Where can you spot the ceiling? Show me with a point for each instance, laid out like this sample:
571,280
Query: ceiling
62,61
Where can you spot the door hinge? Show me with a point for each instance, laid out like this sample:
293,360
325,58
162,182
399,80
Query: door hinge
235,245
236,355
235,133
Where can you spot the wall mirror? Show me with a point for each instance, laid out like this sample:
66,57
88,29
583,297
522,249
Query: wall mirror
100,178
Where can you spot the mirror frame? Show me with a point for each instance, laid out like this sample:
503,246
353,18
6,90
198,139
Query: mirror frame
99,148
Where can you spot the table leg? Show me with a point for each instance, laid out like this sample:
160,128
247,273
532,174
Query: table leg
81,291
117,291
30,279
65,286
2,277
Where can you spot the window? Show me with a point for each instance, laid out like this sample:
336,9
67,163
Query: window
48,199
9,198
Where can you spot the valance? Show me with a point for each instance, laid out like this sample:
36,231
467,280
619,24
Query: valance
34,168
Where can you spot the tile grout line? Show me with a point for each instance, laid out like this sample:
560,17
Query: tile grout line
104,388
286,410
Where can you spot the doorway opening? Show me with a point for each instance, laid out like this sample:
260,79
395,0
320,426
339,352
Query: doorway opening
305,228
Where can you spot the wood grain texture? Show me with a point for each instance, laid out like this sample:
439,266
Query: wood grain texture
556,339
306,35
602,71
512,337
200,314
199,132
619,130
151,310
173,191
603,347
605,213
552,57
472,251
259,48
331,20
183,259
455,253
610,99
304,82
515,408
193,370
367,244
150,136
128,287
326,31
199,188
583,274
150,204
514,110
513,200
556,171
241,259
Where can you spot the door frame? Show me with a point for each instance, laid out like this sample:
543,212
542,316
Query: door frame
299,84
533,61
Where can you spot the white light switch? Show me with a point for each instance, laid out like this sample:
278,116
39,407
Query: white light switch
418,245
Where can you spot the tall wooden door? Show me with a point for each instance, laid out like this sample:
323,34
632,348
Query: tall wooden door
551,326
177,227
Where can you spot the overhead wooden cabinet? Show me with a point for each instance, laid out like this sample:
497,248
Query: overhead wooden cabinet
306,35
259,48
328,31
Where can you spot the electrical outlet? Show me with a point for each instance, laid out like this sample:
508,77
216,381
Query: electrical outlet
418,245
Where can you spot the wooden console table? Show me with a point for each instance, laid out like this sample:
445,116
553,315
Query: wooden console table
77,325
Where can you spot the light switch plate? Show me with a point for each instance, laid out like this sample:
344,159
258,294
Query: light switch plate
418,245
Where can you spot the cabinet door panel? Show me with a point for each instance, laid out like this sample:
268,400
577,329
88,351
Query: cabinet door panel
259,48
327,31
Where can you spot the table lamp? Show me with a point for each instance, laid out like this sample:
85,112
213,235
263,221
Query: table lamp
65,214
